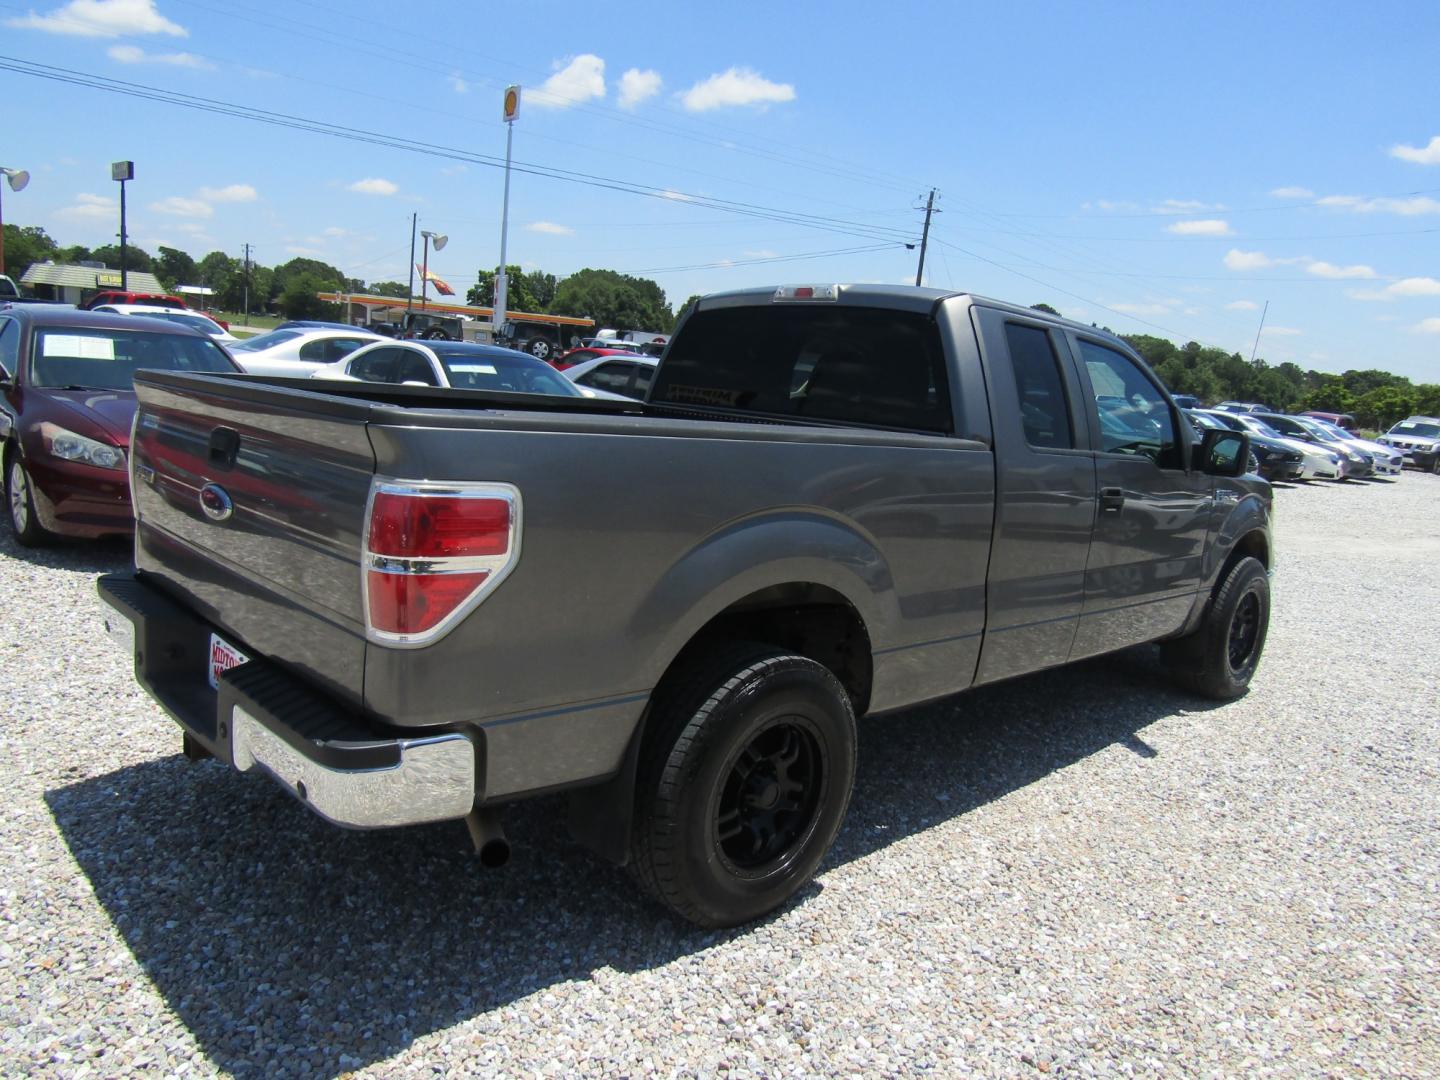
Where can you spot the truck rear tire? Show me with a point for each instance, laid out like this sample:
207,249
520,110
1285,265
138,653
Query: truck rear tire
1219,659
743,783
539,348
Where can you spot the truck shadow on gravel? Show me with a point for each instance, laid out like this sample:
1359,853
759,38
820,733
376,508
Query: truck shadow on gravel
288,946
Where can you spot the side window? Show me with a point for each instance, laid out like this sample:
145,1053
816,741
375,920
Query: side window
414,367
1044,409
9,346
614,376
313,351
1134,416
341,347
377,366
643,375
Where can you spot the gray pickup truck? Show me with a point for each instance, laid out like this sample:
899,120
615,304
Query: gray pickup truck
408,605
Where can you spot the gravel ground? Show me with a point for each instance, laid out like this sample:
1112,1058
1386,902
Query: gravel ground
1082,872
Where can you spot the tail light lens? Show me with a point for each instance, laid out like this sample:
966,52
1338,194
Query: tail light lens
433,551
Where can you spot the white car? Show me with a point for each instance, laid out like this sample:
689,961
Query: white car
1388,460
1319,463
298,353
181,316
460,365
625,374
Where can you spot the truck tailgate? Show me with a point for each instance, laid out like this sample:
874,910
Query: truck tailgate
271,554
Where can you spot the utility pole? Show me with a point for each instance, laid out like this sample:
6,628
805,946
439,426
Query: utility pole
1256,346
410,295
508,114
925,236
246,312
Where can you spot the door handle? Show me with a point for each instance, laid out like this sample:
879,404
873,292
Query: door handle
1111,500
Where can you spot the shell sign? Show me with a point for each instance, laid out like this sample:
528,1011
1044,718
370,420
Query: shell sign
512,103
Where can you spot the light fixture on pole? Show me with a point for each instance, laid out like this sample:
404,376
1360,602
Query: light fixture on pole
122,171
17,179
510,112
438,241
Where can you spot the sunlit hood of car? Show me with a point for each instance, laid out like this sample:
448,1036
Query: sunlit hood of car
112,410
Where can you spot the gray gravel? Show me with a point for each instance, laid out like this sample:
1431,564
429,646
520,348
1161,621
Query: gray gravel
1078,873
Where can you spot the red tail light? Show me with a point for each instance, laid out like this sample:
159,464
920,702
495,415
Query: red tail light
432,553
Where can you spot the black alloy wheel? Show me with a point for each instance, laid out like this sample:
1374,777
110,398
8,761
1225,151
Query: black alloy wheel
744,778
1219,658
1244,631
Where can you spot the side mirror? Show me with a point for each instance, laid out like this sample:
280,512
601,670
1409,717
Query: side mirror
1223,453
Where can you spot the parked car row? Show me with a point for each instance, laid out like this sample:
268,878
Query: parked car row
1303,447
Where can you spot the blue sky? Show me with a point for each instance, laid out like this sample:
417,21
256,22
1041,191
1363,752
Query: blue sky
1157,168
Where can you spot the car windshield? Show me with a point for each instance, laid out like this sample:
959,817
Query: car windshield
195,322
266,341
478,369
1206,421
1411,427
90,358
1260,427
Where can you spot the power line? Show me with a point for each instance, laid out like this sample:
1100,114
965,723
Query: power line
726,264
212,105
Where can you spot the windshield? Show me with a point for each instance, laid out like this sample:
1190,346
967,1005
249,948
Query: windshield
195,322
476,369
266,341
1206,421
1315,428
1259,427
1410,427
94,359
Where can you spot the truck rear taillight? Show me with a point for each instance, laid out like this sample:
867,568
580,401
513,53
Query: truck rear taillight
433,551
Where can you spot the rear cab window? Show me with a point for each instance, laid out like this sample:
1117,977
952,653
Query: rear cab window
831,363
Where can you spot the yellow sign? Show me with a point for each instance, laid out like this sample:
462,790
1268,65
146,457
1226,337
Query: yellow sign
107,281
512,103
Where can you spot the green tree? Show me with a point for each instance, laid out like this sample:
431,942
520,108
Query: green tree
75,253
1384,405
614,299
1330,396
1427,399
139,258
1045,308
298,299
532,292
175,267
25,244
387,288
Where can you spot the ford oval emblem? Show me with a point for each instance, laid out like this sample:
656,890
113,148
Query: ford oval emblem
216,503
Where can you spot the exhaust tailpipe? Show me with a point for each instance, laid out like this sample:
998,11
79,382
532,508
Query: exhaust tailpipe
488,836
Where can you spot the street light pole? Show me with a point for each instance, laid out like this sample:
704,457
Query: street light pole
511,111
440,240
410,293
122,171
17,179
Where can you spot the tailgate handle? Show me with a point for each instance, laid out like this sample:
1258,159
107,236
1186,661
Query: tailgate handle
224,446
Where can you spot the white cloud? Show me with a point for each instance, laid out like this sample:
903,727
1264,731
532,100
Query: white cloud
374,185
336,232
230,193
1282,331
581,79
1185,206
1160,307
102,18
1209,227
307,252
676,196
459,85
1412,286
550,228
1409,207
1242,305
183,207
763,253
1293,193
1427,326
1338,273
1420,155
1415,286
1235,259
91,206
133,54
736,87
637,85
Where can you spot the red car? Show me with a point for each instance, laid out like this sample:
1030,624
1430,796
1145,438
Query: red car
586,352
115,296
67,401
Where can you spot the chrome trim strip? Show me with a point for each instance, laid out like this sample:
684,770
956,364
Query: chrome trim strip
497,567
435,780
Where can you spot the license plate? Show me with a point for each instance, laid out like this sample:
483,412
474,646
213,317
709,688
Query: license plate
223,656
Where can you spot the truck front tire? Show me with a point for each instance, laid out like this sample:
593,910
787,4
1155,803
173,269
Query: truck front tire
743,783
1219,658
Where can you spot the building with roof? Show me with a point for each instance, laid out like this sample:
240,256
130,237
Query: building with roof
72,283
